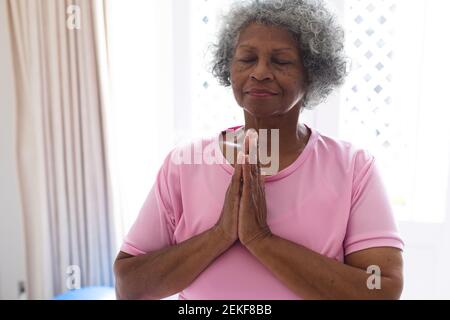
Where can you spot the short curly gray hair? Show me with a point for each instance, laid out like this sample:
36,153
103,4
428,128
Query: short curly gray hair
319,36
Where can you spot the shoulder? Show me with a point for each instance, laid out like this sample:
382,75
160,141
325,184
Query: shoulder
348,156
189,154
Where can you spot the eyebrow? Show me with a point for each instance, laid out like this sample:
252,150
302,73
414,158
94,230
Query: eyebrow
278,49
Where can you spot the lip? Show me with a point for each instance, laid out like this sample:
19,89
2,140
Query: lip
261,92
261,95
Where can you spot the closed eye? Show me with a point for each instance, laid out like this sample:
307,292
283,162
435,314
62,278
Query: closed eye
247,61
277,62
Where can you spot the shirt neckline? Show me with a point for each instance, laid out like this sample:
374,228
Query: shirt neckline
286,171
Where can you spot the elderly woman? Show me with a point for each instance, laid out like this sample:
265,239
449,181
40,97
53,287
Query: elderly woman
319,227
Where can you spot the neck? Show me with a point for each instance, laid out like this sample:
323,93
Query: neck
292,137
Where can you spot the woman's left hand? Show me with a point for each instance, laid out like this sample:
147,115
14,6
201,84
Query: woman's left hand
252,225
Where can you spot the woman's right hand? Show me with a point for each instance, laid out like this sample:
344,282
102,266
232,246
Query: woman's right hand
228,221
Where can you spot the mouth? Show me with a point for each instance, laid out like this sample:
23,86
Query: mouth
261,94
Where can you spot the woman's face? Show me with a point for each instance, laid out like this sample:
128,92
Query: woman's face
267,58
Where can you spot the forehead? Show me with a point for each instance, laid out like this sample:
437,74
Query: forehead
259,35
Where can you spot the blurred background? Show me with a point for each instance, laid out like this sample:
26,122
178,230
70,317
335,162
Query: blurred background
94,93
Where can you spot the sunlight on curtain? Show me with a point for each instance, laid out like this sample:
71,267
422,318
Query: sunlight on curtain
141,109
432,132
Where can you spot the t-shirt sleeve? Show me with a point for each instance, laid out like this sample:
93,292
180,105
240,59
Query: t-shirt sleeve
154,227
371,221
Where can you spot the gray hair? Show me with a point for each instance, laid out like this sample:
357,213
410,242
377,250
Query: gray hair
319,37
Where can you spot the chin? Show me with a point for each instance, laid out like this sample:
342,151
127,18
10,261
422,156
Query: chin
262,110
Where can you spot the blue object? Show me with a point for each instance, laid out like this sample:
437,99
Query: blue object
88,293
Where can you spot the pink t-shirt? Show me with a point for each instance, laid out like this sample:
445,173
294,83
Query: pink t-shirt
331,200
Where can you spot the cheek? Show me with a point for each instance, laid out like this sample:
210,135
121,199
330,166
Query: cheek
292,82
236,86
237,79
239,68
289,74
237,74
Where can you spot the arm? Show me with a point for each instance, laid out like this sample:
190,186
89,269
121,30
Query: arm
165,272
313,276
305,272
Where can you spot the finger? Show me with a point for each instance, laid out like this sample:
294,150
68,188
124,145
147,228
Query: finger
240,162
237,175
237,168
246,143
240,157
246,172
257,178
253,147
254,161
239,142
258,160
235,142
253,170
238,184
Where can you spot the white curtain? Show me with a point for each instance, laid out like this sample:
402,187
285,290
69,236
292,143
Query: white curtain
422,68
60,76
142,36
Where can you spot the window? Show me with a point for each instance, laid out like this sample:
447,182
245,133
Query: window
213,106
394,100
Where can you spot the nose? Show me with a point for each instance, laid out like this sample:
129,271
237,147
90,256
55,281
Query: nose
262,71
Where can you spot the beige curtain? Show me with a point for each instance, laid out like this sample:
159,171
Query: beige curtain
64,180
